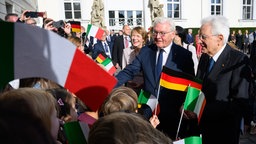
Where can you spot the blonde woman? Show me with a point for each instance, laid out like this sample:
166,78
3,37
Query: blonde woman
138,40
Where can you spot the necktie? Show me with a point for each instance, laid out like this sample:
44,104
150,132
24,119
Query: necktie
159,64
211,63
126,42
106,47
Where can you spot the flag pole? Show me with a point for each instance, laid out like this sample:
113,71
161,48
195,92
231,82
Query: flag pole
158,91
177,134
182,113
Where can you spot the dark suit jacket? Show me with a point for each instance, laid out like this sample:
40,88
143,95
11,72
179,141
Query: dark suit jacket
179,59
226,93
117,52
99,48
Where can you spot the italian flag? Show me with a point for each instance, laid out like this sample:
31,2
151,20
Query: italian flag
34,52
195,101
149,99
189,140
76,132
94,31
108,65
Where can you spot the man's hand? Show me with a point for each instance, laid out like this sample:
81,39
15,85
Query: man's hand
188,114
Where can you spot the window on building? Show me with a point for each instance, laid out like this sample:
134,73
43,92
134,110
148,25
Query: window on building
247,9
173,9
111,15
121,18
129,18
9,8
216,7
72,9
139,18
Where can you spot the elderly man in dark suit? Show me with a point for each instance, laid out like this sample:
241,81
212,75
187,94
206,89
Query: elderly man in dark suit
102,47
121,42
225,75
173,57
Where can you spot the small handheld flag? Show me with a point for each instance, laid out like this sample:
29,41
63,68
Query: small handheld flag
76,132
179,81
149,99
94,31
189,140
195,101
106,63
75,26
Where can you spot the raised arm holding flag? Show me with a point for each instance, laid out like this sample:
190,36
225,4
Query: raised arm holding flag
174,57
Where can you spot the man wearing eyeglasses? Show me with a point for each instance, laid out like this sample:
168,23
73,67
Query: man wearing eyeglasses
162,52
225,75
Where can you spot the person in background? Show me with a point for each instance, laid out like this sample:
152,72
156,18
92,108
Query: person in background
239,40
198,45
121,42
251,39
102,47
190,37
30,21
77,42
246,42
11,17
225,74
180,39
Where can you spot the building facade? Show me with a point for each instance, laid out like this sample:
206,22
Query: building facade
186,13
16,6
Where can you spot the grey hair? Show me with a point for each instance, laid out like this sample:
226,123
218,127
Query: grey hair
219,24
165,20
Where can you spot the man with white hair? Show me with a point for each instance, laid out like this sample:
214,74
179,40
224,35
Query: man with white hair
225,75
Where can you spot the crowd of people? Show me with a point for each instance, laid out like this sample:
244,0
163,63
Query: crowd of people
227,73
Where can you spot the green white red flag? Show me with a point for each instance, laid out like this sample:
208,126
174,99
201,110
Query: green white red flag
108,65
94,31
149,99
34,52
189,140
195,101
76,132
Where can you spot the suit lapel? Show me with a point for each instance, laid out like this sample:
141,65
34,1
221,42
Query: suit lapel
153,61
170,62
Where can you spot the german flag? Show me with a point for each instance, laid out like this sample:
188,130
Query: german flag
100,58
75,26
179,81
